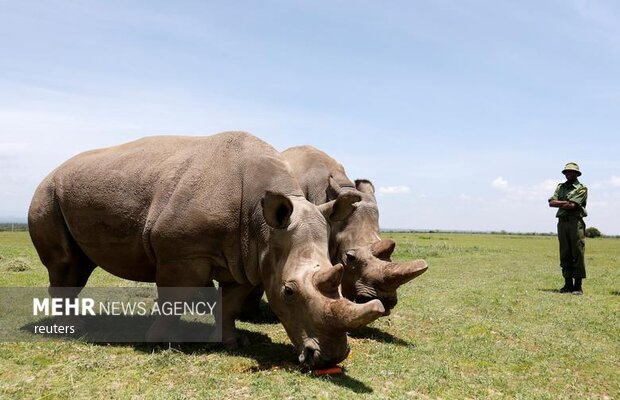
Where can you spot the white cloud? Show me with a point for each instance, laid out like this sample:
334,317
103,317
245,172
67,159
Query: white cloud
535,192
613,182
547,185
464,197
500,183
399,189
543,189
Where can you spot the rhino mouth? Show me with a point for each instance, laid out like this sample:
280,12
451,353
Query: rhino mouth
312,358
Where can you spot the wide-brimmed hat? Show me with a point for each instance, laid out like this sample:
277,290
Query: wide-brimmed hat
571,166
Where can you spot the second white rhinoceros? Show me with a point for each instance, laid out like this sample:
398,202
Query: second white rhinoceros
369,272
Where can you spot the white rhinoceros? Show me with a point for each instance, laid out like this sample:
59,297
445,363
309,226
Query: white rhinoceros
180,211
369,272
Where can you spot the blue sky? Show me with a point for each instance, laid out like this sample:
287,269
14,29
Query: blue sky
462,113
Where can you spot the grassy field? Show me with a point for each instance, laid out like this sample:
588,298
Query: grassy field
485,321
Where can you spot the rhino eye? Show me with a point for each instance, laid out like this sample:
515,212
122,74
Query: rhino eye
351,256
288,291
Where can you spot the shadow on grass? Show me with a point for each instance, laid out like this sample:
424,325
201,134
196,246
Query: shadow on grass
551,291
267,354
375,334
348,382
615,292
263,314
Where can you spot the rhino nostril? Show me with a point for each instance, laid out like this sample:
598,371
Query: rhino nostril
307,357
309,354
363,299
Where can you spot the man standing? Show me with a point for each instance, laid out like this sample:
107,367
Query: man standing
570,198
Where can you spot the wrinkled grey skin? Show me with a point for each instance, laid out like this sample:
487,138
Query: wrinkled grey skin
369,272
181,211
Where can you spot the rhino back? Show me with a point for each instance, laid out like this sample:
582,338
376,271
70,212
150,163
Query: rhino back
168,198
312,169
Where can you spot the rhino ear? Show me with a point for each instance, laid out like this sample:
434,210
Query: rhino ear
383,249
341,208
277,210
365,186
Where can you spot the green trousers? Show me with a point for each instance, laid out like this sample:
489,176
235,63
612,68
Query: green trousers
571,234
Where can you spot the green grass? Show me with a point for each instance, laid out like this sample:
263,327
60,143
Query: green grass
484,321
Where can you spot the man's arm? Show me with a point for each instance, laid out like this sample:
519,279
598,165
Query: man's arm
567,205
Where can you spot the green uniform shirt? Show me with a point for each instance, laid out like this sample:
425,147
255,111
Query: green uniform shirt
575,193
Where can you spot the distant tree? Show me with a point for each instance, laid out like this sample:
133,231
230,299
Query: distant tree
592,232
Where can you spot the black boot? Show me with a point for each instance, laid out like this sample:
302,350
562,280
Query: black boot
568,286
577,290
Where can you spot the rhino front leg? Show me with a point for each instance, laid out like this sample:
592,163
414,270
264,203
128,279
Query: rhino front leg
251,304
176,282
233,297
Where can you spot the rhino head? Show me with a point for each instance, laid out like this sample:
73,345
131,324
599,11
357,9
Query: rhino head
369,272
302,285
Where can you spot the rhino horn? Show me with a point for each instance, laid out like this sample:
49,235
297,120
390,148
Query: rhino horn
383,249
397,274
349,316
327,279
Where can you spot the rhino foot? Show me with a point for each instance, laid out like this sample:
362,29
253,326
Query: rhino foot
235,342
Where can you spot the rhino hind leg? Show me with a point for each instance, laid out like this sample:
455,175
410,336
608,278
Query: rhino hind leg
67,265
68,276
71,270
